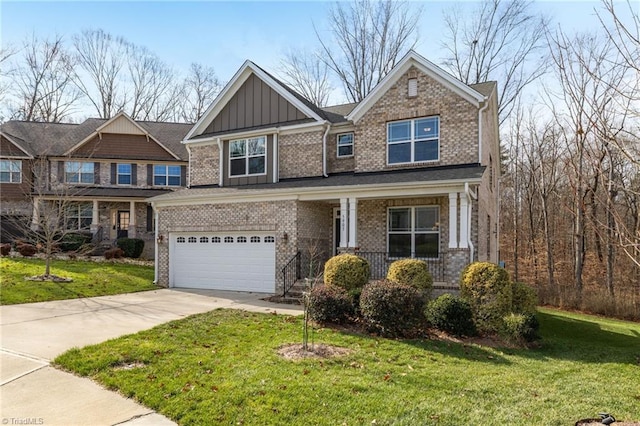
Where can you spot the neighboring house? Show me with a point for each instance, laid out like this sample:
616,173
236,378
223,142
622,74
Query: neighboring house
105,169
411,171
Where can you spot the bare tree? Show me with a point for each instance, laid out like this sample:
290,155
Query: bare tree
199,89
308,74
6,52
502,40
42,81
101,59
366,39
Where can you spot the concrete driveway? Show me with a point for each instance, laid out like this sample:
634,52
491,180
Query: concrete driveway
32,392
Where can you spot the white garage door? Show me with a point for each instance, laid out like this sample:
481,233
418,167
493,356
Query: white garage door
239,261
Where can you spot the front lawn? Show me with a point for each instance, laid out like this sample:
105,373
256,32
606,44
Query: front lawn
89,279
222,367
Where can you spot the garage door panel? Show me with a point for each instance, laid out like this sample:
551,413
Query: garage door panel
241,266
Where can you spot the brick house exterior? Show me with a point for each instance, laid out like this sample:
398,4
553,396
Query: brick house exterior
411,171
105,169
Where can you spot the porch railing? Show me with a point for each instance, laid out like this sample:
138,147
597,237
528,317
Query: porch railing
380,261
291,272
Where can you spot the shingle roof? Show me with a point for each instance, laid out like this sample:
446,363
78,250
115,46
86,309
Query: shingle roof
111,192
426,175
55,139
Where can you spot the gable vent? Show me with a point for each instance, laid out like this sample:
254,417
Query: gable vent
412,87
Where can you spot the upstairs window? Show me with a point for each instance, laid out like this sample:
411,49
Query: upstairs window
78,172
345,145
248,157
10,171
413,141
166,175
414,232
124,174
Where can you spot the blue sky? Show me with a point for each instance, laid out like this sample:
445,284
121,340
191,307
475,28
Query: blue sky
224,34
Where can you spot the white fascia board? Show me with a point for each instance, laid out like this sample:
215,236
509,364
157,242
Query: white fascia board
296,128
232,87
17,145
427,67
390,190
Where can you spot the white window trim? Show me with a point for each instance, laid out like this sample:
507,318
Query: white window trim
246,157
11,170
352,144
413,231
413,141
80,173
166,175
76,209
118,174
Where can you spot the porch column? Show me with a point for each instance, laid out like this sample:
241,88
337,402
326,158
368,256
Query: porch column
453,220
464,221
353,222
35,217
132,219
95,217
344,225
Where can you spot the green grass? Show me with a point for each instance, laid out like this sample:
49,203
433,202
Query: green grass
222,368
89,279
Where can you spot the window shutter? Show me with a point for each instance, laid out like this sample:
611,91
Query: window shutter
183,175
96,173
149,218
61,171
114,173
149,174
134,174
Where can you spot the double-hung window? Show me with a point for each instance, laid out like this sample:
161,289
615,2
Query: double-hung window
164,175
413,141
248,156
78,216
78,172
345,145
124,174
414,232
10,171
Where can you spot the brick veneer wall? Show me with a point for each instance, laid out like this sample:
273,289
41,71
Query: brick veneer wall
335,164
315,232
300,154
205,165
458,123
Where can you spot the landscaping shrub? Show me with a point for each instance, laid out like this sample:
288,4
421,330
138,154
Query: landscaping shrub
413,272
74,241
521,328
451,314
487,288
5,249
329,304
392,309
26,250
132,247
347,271
114,253
524,298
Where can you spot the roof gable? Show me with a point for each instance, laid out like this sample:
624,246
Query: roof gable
425,66
253,98
10,147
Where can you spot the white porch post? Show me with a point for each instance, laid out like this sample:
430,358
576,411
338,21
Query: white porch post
453,220
464,221
353,222
132,219
344,224
35,218
95,217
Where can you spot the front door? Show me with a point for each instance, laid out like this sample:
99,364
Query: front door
122,225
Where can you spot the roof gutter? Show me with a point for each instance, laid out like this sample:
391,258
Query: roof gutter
324,149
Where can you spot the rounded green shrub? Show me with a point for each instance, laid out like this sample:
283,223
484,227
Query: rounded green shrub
487,288
451,314
347,271
132,247
329,304
524,298
521,328
413,272
392,309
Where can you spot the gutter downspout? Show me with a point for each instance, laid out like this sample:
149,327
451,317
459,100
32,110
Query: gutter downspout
480,111
470,195
189,167
324,149
220,162
155,263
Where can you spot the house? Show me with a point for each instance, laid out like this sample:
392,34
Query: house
104,169
276,183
